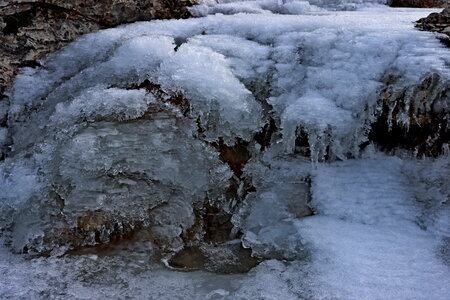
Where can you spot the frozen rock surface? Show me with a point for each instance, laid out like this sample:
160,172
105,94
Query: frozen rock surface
255,129
33,28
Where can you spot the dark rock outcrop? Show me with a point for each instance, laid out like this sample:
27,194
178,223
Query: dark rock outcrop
418,3
437,22
413,117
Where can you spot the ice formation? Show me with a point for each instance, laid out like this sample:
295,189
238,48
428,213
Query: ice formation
260,111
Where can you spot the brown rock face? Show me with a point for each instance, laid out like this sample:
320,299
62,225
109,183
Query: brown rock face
31,29
437,22
418,3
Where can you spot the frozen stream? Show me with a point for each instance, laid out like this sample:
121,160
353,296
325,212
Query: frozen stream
83,128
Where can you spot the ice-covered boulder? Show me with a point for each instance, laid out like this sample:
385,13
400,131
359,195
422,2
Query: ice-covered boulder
194,128
219,143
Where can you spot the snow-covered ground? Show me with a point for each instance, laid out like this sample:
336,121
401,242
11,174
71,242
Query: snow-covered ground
381,224
364,238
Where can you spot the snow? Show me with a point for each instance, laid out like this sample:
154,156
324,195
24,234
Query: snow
383,262
85,128
365,240
371,191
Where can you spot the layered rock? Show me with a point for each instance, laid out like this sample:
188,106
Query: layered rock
437,22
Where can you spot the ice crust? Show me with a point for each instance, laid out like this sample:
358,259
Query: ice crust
86,128
286,7
334,60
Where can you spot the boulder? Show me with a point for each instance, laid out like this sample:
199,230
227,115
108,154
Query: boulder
436,22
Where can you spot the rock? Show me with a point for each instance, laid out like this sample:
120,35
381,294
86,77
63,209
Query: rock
31,30
418,3
436,22
225,258
414,117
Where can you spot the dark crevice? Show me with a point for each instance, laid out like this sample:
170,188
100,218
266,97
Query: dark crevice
16,21
264,137
302,143
445,40
235,156
211,232
30,64
425,140
178,42
175,99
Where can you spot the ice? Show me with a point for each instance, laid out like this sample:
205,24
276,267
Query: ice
293,7
256,7
126,126
270,232
3,135
248,60
18,182
352,251
429,179
367,229
98,103
194,70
